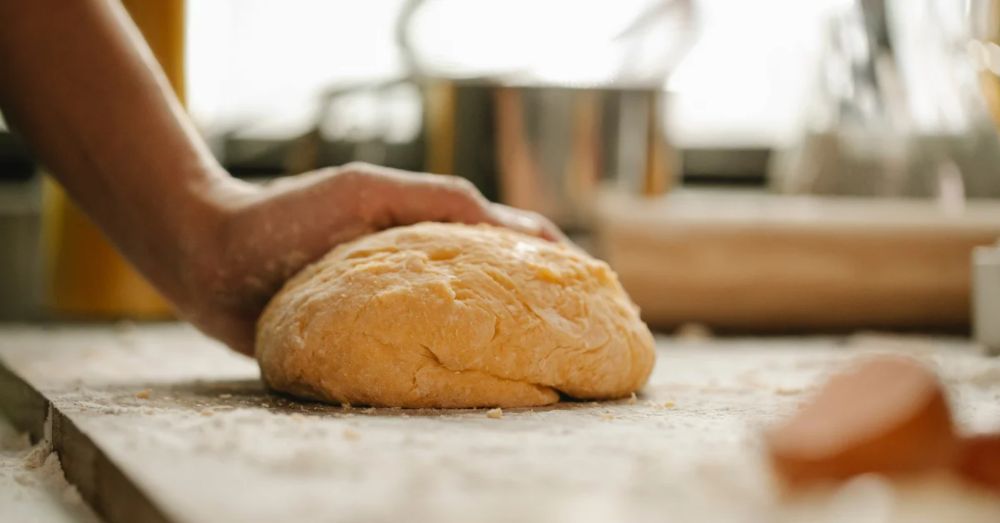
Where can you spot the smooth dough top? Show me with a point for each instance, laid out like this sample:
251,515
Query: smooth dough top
446,315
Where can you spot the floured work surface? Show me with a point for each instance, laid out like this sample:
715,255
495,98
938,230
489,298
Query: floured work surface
158,423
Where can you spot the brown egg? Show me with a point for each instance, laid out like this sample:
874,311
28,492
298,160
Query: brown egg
885,415
979,460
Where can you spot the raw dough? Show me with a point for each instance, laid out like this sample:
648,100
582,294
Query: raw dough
446,315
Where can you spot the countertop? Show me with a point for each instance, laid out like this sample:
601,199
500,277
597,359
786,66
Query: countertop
158,423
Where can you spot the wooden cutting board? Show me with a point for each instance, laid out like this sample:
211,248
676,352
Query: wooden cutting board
157,423
761,262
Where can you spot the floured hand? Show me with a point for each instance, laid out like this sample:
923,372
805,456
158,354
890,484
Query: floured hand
262,235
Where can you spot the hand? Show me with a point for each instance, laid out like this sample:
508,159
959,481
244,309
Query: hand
259,236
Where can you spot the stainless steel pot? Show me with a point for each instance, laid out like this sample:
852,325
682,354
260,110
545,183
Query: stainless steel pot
548,149
530,143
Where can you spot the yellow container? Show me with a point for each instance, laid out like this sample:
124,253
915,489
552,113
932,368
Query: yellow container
87,277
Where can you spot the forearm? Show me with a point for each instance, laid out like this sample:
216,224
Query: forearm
84,91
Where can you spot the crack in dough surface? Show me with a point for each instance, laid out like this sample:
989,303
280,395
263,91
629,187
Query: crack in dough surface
447,315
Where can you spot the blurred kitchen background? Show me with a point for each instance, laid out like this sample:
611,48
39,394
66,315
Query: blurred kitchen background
777,165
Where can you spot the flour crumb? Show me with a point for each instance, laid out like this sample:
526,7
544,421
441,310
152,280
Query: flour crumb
225,396
206,412
606,416
345,405
789,391
496,413
669,404
36,457
51,473
632,400
143,394
351,434
693,332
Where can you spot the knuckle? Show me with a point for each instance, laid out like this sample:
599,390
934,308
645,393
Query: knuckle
355,171
462,187
356,166
541,219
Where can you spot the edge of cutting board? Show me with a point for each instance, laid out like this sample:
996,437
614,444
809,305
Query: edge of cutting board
102,485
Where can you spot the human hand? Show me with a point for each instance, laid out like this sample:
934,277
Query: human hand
259,236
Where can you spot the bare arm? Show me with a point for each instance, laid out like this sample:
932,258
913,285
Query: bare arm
83,89
102,119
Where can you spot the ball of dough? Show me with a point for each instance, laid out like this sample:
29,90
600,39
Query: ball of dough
447,315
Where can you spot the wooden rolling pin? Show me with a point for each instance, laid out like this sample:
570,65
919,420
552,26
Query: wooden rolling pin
760,262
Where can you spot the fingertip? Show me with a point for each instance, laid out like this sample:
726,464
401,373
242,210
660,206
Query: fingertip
554,234
512,219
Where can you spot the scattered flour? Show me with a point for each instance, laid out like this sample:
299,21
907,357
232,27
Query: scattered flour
32,485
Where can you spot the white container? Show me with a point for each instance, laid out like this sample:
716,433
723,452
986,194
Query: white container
986,297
